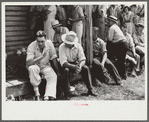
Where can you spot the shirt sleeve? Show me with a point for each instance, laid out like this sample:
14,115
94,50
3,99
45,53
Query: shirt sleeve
30,52
52,50
81,55
131,41
80,12
135,39
103,47
62,54
111,34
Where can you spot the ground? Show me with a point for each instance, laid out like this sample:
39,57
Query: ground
132,89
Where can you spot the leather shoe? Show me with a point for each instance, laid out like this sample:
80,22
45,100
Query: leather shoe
37,98
51,98
91,93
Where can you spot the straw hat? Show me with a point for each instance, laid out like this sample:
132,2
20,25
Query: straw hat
55,23
112,18
70,38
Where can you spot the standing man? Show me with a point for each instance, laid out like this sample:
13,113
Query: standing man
39,54
77,21
59,31
100,61
117,45
72,59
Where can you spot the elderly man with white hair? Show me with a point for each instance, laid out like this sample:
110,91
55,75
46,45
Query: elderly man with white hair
72,59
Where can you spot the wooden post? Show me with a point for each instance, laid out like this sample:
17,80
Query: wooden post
88,33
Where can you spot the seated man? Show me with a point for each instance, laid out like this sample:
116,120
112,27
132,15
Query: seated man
138,38
100,61
39,54
131,53
59,31
72,59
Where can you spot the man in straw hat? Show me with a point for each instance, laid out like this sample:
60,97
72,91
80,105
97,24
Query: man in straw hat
59,31
72,59
117,45
39,54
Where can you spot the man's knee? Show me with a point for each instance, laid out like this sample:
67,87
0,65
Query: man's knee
33,68
96,62
85,67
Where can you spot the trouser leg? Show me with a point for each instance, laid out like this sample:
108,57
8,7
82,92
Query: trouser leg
66,81
112,70
51,79
85,72
121,55
99,72
35,78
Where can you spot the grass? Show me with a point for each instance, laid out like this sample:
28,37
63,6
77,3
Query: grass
133,89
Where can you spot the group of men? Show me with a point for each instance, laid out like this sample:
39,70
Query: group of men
56,66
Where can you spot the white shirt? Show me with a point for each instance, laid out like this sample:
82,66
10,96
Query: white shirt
74,54
115,34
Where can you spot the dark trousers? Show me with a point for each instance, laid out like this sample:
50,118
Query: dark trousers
118,50
85,72
101,73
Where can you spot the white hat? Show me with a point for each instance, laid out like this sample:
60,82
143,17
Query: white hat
55,23
70,37
113,18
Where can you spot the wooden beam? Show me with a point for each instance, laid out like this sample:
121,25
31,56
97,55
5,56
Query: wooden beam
88,32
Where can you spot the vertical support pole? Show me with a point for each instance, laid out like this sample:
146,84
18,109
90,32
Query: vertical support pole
88,33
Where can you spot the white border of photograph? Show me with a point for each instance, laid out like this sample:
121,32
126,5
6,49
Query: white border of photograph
71,110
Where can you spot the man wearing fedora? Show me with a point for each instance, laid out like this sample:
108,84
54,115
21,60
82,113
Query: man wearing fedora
39,54
138,38
59,31
72,59
117,45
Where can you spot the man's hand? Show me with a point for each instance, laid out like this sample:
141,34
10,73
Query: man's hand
45,54
102,64
77,69
70,19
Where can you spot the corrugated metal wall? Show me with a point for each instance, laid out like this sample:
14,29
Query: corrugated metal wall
18,33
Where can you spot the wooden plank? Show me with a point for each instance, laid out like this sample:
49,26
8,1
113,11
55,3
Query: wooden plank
18,38
17,43
15,82
17,28
19,90
14,18
8,84
89,46
16,23
17,8
19,33
14,13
